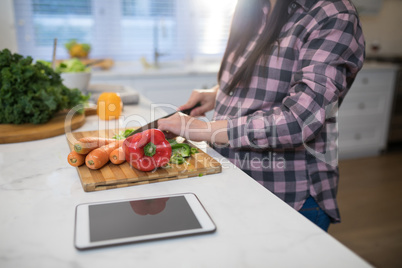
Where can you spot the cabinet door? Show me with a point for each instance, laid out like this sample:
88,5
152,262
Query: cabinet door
365,113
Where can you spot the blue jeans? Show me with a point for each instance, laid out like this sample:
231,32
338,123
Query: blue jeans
315,214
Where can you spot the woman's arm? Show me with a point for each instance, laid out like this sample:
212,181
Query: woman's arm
194,129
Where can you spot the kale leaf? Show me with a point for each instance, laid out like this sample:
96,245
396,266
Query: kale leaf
32,92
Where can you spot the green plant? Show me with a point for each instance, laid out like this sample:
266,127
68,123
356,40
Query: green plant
32,92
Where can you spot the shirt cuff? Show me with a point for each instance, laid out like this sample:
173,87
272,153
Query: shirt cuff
248,131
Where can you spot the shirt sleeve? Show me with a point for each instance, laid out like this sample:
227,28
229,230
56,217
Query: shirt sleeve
328,62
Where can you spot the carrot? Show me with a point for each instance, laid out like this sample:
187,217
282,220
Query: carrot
117,156
75,159
100,156
87,144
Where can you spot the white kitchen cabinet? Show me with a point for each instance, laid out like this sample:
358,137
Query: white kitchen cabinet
364,115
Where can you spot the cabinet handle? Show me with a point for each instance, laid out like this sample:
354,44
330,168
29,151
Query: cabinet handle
361,105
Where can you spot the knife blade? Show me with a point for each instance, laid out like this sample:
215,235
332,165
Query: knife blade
154,124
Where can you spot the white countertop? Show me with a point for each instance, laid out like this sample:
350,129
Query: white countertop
39,191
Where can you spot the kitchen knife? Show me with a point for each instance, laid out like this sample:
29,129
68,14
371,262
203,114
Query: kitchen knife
154,124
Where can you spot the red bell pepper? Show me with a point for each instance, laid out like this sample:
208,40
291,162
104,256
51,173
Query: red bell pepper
147,150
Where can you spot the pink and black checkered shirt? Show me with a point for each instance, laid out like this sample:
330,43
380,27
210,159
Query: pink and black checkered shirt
282,126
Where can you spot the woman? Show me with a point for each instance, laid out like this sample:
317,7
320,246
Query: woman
287,67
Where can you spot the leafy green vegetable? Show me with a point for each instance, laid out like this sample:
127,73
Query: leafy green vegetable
123,134
32,93
73,65
46,63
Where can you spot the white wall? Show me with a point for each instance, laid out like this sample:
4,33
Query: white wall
385,27
8,37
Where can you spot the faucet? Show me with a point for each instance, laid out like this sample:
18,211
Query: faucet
157,54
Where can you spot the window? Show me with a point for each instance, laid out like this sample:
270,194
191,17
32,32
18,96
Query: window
125,29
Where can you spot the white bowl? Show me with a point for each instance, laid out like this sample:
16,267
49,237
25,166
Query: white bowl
77,80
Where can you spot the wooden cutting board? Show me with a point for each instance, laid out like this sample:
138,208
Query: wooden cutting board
116,176
56,126
29,132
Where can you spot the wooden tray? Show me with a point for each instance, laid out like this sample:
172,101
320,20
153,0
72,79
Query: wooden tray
116,176
29,132
56,126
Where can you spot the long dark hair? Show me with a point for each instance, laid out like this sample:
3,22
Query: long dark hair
246,22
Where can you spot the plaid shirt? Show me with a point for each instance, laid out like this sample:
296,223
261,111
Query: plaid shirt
282,126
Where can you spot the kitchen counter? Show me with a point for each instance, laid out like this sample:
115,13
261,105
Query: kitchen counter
39,192
122,70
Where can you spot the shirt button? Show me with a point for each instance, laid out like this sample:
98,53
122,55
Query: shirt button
231,93
293,5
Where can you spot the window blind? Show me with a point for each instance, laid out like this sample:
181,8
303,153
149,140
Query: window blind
124,29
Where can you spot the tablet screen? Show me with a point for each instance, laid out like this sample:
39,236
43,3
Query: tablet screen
140,217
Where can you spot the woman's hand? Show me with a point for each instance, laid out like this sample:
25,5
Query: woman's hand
206,97
195,129
184,126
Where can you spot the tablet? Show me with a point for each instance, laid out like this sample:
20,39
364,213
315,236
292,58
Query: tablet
135,220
